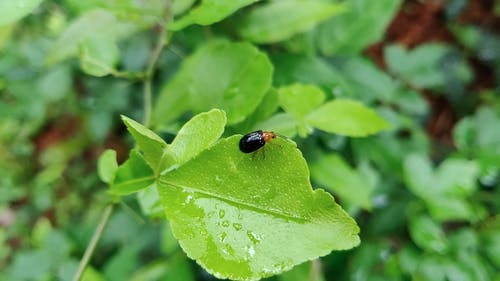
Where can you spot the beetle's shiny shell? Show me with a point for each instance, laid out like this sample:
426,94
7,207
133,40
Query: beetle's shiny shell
252,141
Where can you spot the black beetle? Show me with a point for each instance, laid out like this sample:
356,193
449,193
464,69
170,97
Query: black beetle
253,141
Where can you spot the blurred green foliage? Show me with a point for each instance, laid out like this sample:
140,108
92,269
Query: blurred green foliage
425,195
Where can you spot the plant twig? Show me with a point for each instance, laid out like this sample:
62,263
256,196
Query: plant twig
147,78
93,242
315,273
153,59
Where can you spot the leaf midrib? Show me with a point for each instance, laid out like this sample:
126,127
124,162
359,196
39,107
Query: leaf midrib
234,201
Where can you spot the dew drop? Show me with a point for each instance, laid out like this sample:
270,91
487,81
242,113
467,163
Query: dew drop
253,237
210,214
251,251
222,214
228,250
188,200
222,237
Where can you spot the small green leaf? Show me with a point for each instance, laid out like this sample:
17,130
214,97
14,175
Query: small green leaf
107,165
333,173
347,117
300,99
480,132
197,134
368,82
280,122
421,66
444,190
132,176
279,20
209,12
246,217
231,76
449,208
430,268
150,143
364,23
427,234
11,11
457,177
419,175
98,55
149,201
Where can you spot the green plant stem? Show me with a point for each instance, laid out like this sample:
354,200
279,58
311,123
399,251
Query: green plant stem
147,101
93,242
153,59
147,78
315,272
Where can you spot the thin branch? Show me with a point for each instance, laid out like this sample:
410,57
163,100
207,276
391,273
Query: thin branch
93,242
315,273
147,78
153,59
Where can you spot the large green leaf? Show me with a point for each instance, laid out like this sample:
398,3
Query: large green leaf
248,216
210,11
13,10
363,24
347,117
279,20
230,76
